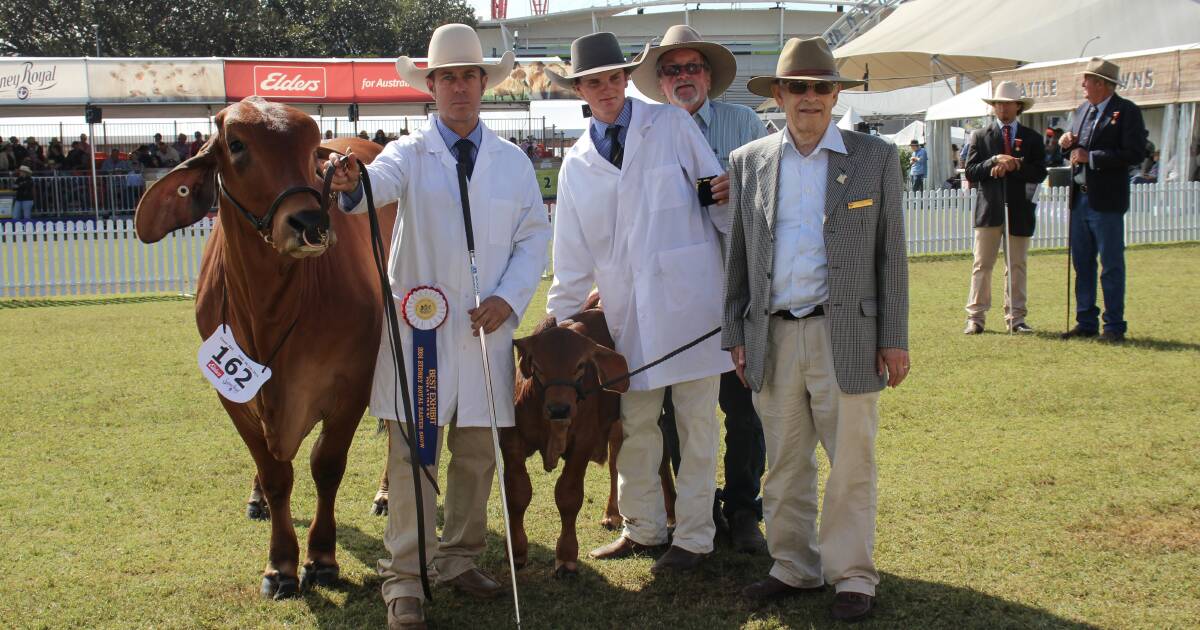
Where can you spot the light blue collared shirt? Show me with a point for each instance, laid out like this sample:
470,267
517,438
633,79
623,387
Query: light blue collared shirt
800,271
727,126
599,129
1100,107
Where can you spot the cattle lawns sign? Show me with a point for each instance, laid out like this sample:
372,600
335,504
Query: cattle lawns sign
42,81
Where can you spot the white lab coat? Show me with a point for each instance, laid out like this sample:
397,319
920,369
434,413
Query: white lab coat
429,247
640,234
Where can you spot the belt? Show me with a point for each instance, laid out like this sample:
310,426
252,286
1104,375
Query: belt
786,314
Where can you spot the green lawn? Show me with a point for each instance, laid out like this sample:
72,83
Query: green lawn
1024,482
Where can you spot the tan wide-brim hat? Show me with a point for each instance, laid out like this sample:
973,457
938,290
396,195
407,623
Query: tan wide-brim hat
1008,92
25,169
454,46
802,60
595,54
1103,69
721,62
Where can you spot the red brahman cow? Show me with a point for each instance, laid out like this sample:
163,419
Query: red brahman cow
561,413
293,300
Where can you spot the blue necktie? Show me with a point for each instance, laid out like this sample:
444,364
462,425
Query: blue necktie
466,155
1089,127
616,152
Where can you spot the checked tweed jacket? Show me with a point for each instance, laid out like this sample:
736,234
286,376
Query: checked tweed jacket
864,246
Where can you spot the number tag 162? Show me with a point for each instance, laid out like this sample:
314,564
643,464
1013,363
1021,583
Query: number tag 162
222,362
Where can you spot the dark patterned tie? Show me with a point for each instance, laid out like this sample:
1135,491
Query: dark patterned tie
1007,139
466,155
1089,127
616,152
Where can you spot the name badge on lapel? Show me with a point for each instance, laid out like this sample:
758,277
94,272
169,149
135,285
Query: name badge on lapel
861,203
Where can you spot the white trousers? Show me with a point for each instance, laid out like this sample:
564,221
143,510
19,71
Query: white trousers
639,490
800,405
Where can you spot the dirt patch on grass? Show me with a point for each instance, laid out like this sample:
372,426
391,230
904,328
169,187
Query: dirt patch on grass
1151,529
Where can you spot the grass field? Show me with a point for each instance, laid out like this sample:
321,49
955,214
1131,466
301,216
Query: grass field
1024,482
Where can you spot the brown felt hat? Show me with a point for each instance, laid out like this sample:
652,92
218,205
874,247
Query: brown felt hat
803,60
1103,69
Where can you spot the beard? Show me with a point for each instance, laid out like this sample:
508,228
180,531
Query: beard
696,97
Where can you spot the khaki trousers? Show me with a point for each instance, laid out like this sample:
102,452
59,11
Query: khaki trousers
639,490
468,486
800,405
988,242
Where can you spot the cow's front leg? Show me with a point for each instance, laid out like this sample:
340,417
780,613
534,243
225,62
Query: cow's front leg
519,491
612,514
280,578
568,496
328,464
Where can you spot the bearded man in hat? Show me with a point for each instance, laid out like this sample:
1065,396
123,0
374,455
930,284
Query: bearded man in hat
816,322
688,72
630,221
1006,161
1107,138
429,249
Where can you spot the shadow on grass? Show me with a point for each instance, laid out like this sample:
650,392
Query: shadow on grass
626,595
91,301
1141,343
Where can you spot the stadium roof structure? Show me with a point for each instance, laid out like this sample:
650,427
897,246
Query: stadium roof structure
925,40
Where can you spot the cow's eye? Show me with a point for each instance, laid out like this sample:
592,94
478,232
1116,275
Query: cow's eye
236,146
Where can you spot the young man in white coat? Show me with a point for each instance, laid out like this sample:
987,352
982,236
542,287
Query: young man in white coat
629,220
429,248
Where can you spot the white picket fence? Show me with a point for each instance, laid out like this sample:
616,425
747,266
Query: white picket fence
86,258
942,221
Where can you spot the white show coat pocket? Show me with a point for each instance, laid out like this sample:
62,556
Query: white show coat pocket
500,221
667,187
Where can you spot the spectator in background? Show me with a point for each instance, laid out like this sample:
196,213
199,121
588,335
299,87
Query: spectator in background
54,155
1053,151
168,157
145,158
954,157
76,158
328,134
1149,171
36,156
363,134
182,147
23,206
114,163
920,166
197,142
7,161
380,138
527,146
84,145
19,152
404,131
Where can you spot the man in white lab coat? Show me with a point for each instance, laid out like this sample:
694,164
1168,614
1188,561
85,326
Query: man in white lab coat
630,221
429,248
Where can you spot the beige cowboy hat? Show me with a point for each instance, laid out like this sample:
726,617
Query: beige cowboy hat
454,46
594,54
803,60
1008,92
722,65
25,169
1103,69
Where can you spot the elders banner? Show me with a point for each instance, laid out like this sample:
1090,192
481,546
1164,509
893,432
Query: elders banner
289,81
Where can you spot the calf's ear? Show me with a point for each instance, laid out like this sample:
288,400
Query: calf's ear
181,198
524,347
610,364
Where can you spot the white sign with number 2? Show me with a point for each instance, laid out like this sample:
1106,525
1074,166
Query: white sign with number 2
236,376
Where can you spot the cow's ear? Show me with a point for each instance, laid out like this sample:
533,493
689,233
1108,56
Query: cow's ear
524,347
181,198
610,364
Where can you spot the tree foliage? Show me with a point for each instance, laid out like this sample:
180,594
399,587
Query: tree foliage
225,28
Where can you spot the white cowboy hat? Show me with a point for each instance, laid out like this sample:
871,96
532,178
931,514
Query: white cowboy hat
454,46
723,66
1008,92
26,170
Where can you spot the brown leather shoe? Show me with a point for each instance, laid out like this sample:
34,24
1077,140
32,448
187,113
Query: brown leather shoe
476,583
744,532
622,547
851,606
772,589
405,613
677,559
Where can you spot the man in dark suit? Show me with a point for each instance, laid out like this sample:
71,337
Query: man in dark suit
1107,137
1007,161
816,322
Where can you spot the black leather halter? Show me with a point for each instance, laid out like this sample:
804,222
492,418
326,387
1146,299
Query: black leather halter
263,225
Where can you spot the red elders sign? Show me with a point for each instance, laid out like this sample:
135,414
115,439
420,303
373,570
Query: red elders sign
377,82
287,81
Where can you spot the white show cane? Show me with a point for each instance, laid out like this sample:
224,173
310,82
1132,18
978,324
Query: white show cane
487,379
1008,253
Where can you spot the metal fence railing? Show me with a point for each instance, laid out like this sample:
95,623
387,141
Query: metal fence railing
39,258
70,196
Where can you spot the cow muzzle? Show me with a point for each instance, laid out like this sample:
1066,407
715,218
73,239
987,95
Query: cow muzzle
309,234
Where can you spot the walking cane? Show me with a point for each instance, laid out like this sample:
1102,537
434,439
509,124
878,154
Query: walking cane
487,379
1070,186
1008,271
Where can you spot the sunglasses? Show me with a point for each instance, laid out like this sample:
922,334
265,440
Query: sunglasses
675,69
823,88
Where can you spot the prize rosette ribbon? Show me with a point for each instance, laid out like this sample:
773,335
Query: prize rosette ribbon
425,308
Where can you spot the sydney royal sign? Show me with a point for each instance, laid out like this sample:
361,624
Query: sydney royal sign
26,81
